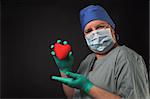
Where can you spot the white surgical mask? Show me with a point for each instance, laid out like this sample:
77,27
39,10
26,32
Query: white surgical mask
100,41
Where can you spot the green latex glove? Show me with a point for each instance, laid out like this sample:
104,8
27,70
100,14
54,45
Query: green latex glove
65,64
76,81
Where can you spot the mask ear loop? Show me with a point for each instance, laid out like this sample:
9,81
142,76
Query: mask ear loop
117,37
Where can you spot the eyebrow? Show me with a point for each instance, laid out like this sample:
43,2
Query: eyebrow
100,25
88,30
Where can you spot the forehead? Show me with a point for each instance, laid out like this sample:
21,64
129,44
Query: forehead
94,23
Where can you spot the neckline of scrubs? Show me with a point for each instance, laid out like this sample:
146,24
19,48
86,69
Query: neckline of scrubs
104,58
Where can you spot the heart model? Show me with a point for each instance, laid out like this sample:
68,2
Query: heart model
62,50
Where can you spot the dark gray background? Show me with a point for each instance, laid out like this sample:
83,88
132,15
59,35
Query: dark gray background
29,25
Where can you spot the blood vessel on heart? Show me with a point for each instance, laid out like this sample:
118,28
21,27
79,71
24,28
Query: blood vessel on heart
62,50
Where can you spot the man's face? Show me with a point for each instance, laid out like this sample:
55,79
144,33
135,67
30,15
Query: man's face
96,25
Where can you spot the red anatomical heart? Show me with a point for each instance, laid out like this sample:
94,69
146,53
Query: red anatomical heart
61,50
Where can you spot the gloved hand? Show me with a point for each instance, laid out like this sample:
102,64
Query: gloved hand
65,64
76,81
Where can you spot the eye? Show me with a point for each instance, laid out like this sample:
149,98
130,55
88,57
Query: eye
100,26
88,31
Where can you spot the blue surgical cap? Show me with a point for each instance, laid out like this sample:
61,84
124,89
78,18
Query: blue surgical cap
94,12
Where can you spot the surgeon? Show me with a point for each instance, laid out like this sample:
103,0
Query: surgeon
111,71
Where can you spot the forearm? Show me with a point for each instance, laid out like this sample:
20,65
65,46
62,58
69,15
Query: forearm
67,90
99,93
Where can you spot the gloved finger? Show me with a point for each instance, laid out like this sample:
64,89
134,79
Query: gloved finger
70,53
54,56
74,75
52,46
53,53
62,79
65,42
58,41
